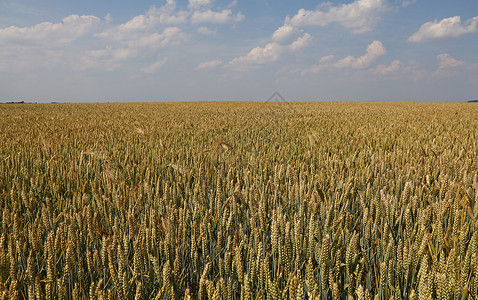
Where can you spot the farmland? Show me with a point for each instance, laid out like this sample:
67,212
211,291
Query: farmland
239,201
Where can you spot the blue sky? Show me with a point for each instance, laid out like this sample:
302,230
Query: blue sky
368,50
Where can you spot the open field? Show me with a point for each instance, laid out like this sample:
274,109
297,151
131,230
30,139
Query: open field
239,201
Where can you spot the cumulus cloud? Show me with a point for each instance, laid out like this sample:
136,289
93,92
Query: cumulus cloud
374,50
167,14
259,55
144,22
394,67
51,34
195,4
270,53
449,66
446,28
128,47
108,18
314,69
170,36
108,58
327,58
138,23
153,68
209,64
406,3
207,31
324,63
233,3
445,61
300,43
216,17
50,44
45,45
359,16
285,33
142,32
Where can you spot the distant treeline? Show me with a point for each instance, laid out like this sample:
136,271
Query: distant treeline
15,102
473,100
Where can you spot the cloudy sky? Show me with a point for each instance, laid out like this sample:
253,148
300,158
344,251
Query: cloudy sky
174,50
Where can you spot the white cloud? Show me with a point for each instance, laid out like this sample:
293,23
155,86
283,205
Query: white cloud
406,3
195,4
232,4
153,68
146,22
285,33
445,61
314,69
327,58
45,45
167,13
446,28
260,55
129,47
359,16
138,35
110,53
215,17
270,53
207,31
300,43
51,34
49,44
108,58
128,29
449,66
209,64
140,22
108,18
323,64
169,37
394,67
374,50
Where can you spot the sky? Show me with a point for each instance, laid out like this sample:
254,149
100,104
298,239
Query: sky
238,50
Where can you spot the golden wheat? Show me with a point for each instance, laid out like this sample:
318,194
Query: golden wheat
239,201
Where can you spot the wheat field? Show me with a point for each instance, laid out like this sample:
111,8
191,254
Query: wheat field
239,201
